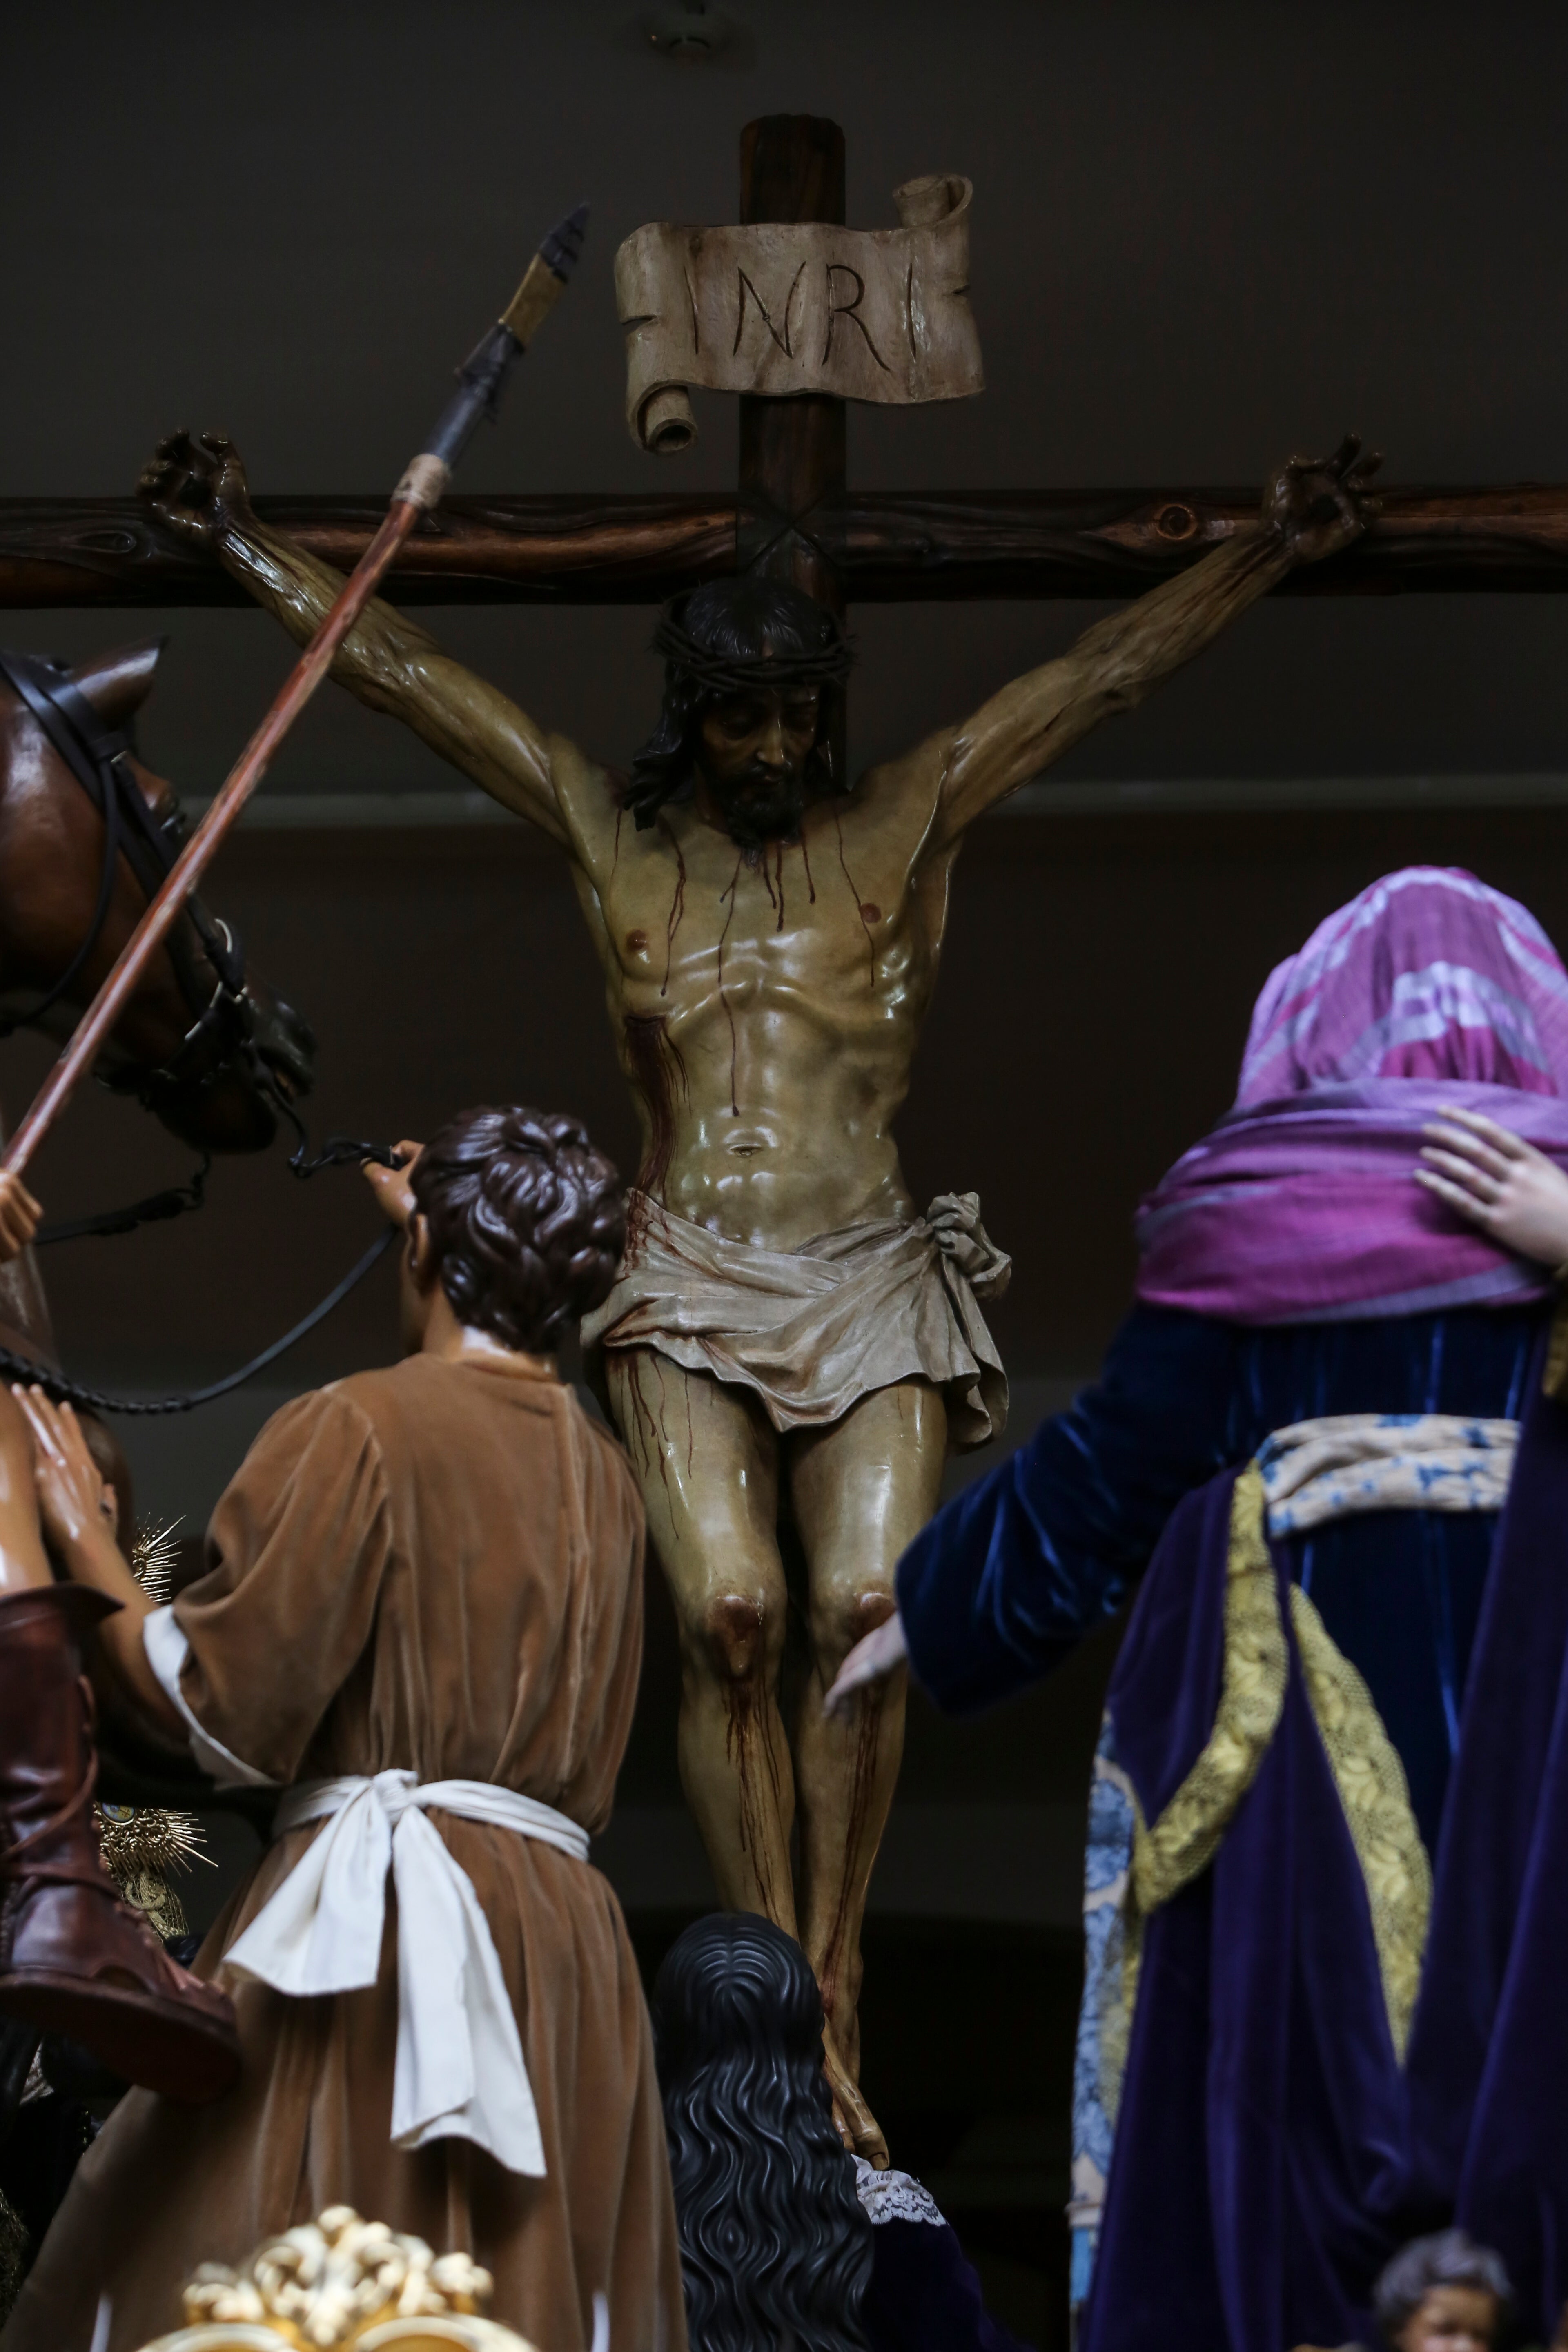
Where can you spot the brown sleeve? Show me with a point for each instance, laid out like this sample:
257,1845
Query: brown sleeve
295,1552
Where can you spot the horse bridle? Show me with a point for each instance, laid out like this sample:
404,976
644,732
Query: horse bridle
222,1034
98,757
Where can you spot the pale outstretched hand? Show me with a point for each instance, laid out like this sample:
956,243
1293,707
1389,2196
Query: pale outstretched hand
1499,1182
872,1660
73,1499
19,1216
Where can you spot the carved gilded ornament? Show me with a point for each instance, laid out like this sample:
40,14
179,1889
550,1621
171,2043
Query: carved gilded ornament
338,2281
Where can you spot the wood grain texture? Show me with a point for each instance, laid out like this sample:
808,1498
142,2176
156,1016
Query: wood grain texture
792,451
889,547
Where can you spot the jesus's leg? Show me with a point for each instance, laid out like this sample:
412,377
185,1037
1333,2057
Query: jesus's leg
861,1491
707,1462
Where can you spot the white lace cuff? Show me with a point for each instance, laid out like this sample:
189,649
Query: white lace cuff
895,2197
167,1650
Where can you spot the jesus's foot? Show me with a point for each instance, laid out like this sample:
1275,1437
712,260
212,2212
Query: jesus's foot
858,2127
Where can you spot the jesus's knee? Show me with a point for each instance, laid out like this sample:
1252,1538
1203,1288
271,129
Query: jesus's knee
843,1611
737,1637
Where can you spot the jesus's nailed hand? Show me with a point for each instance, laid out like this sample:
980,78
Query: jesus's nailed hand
195,484
1318,505
872,1660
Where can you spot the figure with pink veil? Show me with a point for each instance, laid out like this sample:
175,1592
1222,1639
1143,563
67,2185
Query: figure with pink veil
1327,1878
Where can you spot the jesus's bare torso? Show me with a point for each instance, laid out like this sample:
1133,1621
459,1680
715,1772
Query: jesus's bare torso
766,1008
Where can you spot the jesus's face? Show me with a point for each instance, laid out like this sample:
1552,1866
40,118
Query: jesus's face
751,762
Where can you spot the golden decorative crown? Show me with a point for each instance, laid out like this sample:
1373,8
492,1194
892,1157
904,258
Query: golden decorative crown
339,2282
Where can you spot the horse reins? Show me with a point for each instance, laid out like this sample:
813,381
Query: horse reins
338,1151
29,1374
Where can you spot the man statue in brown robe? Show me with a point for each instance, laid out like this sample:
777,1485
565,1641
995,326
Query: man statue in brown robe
421,1621
789,1332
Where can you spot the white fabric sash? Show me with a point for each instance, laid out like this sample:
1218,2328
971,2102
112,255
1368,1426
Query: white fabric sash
459,2070
1347,1462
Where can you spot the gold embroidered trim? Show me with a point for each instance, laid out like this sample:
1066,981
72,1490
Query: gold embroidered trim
1185,1838
1375,1795
1554,1379
1367,1772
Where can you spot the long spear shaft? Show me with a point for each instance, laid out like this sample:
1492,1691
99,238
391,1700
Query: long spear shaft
419,492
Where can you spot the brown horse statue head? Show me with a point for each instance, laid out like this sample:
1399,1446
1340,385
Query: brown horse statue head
212,1050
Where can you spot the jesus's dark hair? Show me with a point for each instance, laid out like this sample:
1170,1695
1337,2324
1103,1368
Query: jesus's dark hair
775,2247
526,1219
728,637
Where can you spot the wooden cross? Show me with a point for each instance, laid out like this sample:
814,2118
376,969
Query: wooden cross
792,511
792,451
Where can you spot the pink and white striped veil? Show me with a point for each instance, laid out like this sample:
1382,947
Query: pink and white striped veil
1428,974
1428,990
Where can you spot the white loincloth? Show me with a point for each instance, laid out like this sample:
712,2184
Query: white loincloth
811,1331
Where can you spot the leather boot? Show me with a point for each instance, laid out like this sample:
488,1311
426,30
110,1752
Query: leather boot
74,1958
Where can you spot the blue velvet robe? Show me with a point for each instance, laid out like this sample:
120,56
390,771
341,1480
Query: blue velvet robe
1017,1569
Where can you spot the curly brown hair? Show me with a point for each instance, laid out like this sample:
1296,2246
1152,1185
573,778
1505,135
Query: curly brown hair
527,1221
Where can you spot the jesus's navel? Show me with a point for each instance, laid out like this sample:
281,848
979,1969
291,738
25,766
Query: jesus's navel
746,1143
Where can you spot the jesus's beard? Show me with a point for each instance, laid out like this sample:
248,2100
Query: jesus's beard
761,805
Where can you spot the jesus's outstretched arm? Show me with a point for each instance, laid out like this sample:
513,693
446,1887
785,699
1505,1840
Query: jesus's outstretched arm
197,486
1311,509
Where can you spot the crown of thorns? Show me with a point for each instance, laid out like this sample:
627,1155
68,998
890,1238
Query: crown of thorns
828,664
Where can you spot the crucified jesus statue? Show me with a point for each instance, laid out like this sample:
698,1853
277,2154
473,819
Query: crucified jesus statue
789,1335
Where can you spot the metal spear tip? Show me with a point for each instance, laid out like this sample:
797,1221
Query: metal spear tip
562,246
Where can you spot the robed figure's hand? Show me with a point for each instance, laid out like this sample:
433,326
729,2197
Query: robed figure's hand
1498,1181
875,1656
1318,505
196,485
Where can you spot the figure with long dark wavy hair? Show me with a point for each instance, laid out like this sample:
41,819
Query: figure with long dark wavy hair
785,2240
775,2246
789,1334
